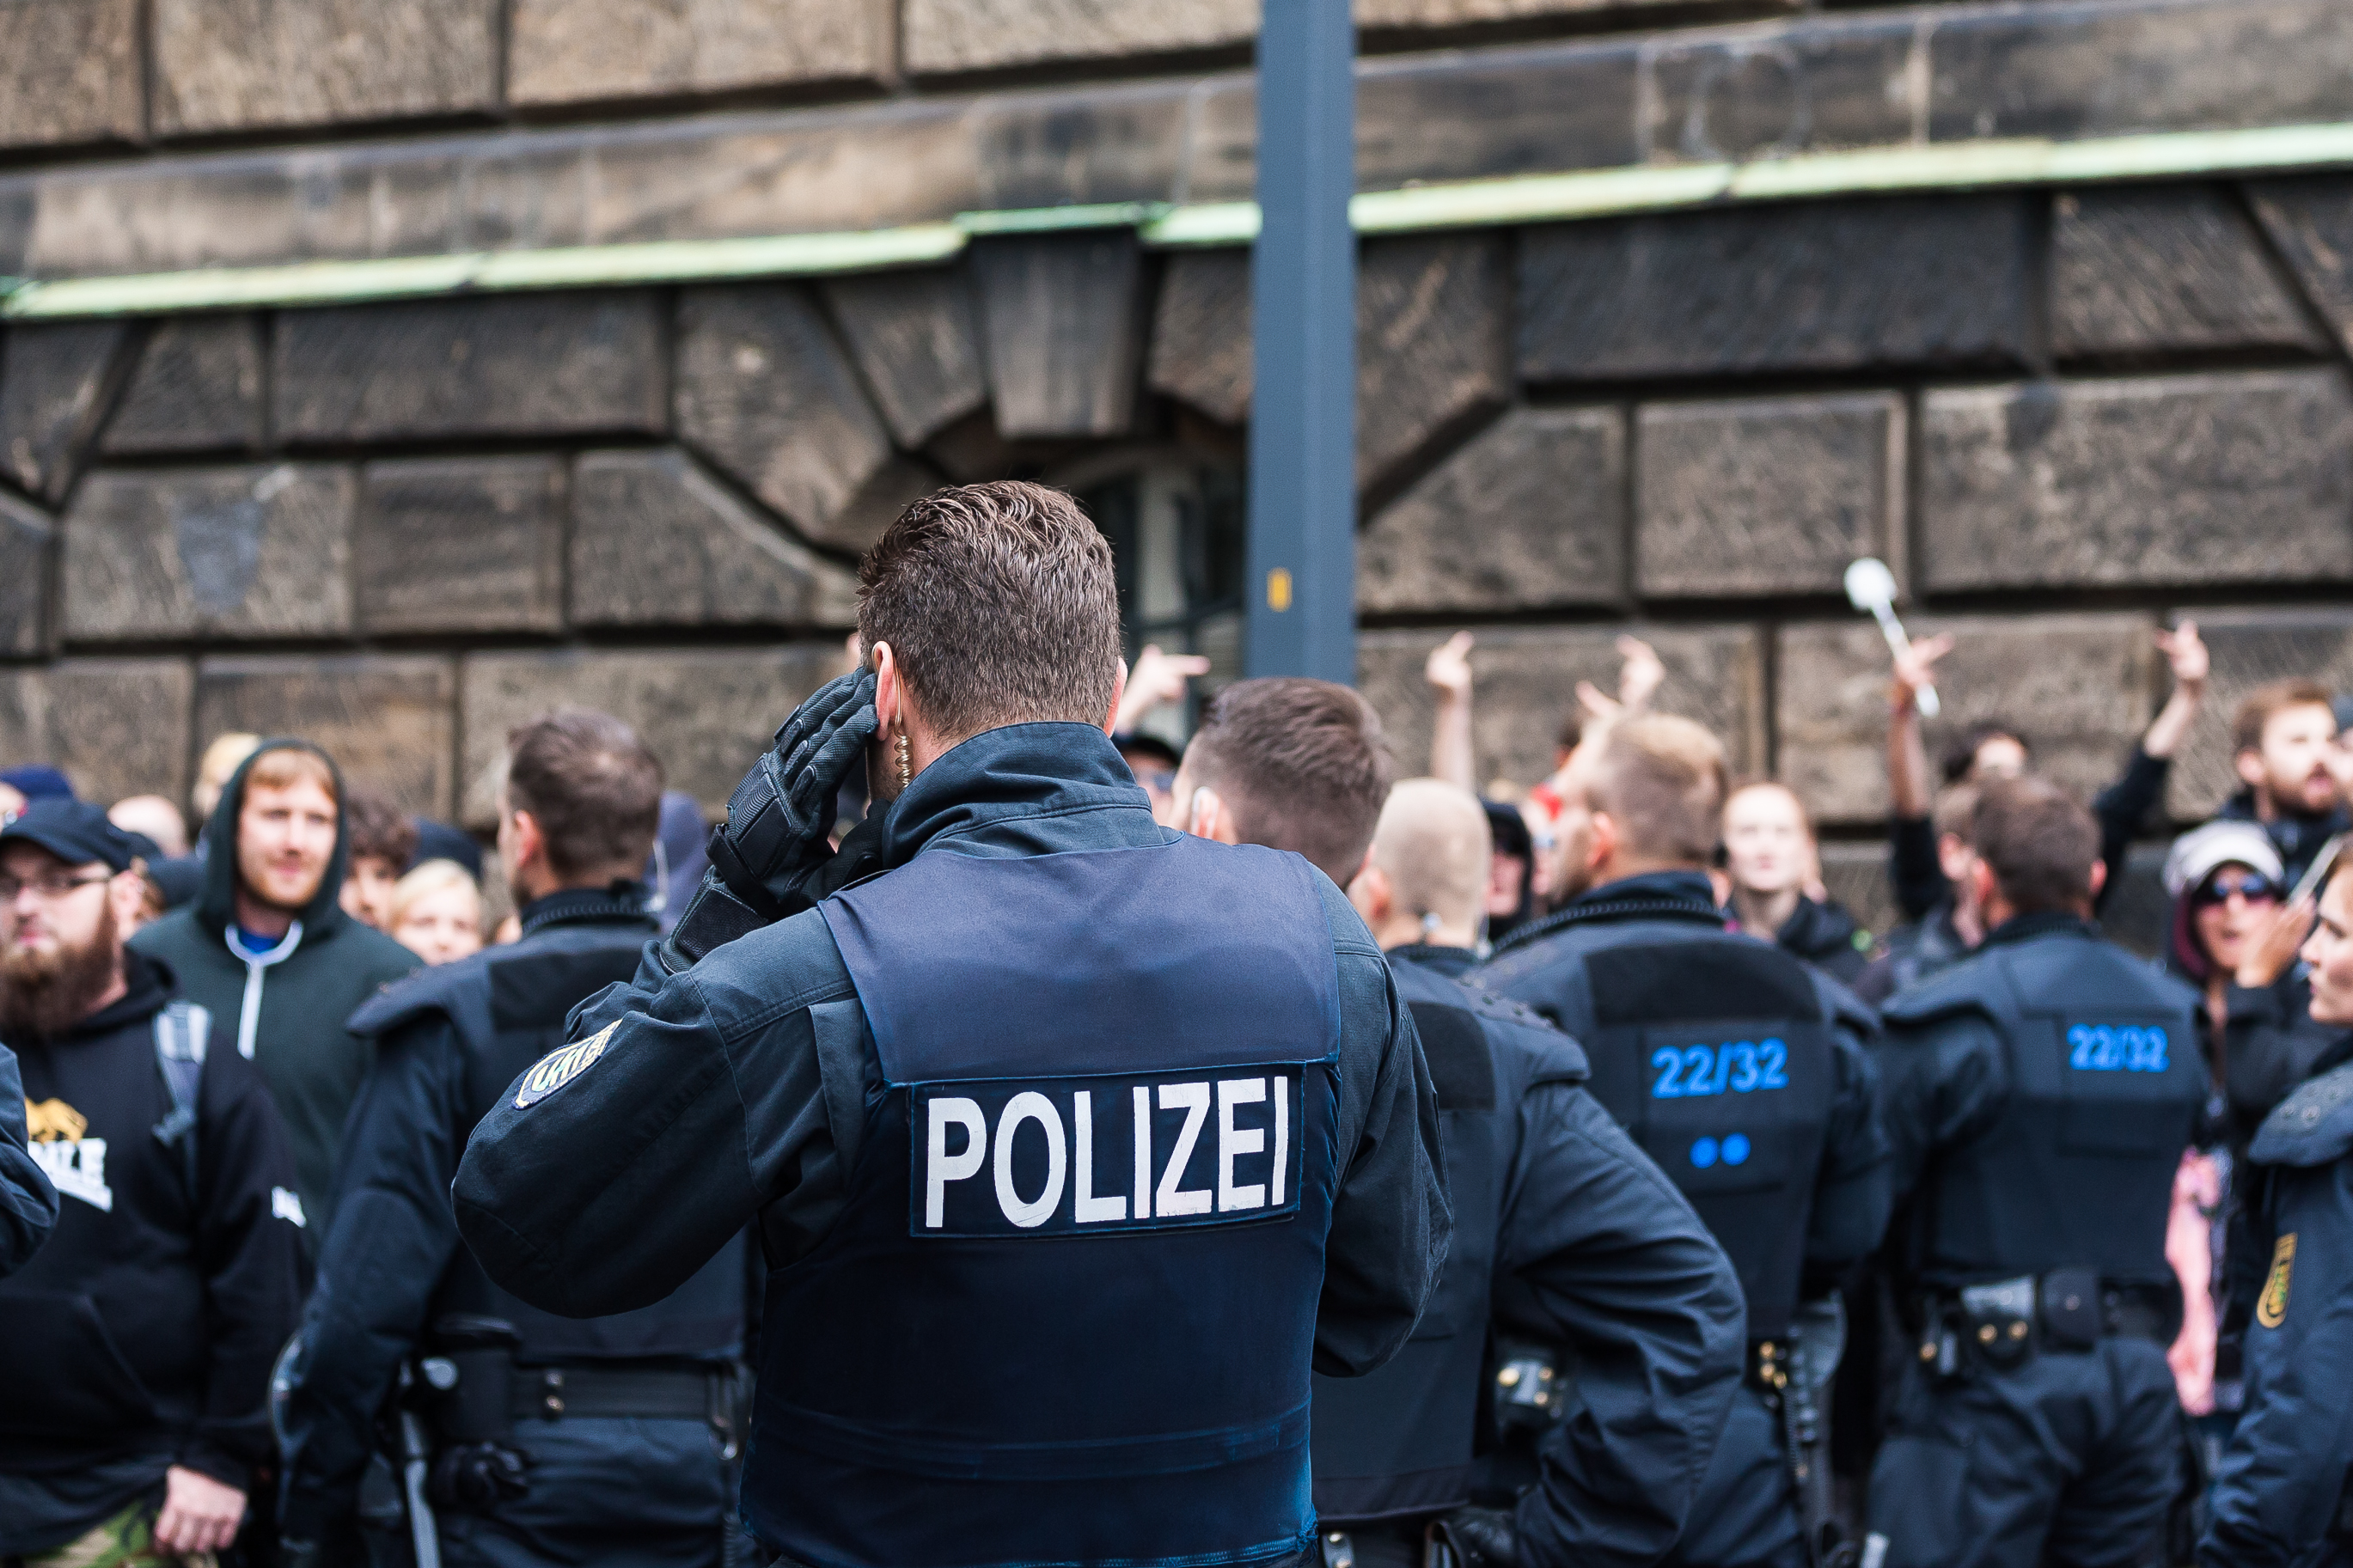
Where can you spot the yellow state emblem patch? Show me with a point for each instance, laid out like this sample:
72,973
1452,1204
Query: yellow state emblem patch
2270,1308
560,1067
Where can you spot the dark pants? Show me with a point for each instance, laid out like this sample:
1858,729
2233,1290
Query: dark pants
628,1493
2069,1458
1746,1512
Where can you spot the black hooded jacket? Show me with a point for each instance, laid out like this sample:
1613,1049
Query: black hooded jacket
312,1064
141,1336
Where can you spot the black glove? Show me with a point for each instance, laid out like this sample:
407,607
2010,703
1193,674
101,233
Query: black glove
475,1477
1479,1538
778,820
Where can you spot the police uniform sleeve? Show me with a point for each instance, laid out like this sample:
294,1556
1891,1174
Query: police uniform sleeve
1598,1252
1390,1222
2287,1475
704,1101
28,1205
250,1246
391,1241
1854,1191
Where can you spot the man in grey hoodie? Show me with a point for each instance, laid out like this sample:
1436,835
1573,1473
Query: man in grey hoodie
268,953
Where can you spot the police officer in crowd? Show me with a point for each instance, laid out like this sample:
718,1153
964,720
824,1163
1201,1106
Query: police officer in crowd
2284,1493
554,1438
2038,1099
135,1346
1565,1235
28,1205
1074,1142
1742,1072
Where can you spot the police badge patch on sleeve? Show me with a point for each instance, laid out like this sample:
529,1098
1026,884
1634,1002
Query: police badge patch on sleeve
561,1066
2270,1308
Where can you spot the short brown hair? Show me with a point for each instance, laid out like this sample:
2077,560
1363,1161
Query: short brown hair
2265,703
999,605
591,785
1303,764
282,767
1955,811
2038,842
1663,782
376,829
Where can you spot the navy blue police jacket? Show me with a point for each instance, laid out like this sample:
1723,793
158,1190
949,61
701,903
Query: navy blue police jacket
1072,1142
28,1205
1794,1182
448,1041
2039,1096
2283,1496
1564,1233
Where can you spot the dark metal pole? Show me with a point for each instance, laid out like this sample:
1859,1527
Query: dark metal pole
1303,453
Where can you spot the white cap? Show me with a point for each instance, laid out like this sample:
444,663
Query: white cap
2197,853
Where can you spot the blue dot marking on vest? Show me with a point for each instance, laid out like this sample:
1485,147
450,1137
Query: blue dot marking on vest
1736,1149
1703,1152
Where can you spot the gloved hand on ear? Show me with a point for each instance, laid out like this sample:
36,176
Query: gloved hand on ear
776,839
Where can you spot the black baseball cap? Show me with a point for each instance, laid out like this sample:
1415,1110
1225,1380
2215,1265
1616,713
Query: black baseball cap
75,831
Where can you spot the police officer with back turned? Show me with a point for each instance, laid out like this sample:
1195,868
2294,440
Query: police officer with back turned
1741,1071
1074,1143
1565,1232
2038,1099
553,1438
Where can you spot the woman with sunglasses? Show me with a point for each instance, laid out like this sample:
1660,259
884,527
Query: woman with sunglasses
2232,938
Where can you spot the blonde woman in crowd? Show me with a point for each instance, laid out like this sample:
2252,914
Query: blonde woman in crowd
436,912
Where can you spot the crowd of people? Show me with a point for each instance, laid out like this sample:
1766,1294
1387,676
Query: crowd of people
1991,1262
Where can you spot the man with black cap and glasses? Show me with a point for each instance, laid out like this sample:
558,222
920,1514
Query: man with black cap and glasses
135,1346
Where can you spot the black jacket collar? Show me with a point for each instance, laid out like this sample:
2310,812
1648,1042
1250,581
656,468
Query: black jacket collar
2046,922
1453,963
621,903
1022,789
1654,895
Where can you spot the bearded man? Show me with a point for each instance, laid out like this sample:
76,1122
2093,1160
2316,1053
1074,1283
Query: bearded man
269,950
135,1346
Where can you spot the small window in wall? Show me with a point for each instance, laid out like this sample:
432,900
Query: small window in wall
1175,525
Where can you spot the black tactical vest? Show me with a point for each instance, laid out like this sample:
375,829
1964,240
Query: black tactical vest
508,1006
1398,1441
2103,1090
1716,1054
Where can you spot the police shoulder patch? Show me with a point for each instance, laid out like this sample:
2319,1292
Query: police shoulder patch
561,1066
2270,1308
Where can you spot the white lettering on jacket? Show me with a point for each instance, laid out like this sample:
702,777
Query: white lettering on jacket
1073,1149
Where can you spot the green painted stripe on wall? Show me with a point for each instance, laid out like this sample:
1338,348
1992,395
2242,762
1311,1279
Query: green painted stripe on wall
1475,204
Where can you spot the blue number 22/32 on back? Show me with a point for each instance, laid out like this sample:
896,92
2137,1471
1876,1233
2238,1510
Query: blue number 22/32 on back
2116,1048
1736,1067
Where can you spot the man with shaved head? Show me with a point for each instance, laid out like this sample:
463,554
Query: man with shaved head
1550,1198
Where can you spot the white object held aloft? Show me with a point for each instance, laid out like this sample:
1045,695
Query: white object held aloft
1871,588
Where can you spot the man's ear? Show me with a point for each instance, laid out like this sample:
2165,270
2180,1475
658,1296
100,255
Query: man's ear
1118,692
125,891
1208,816
1372,894
2249,765
1601,844
1982,881
890,687
530,842
2099,877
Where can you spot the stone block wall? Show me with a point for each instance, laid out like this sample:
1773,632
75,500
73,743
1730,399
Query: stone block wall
2062,414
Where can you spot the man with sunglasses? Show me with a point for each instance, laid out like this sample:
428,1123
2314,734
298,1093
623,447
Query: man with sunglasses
135,1346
